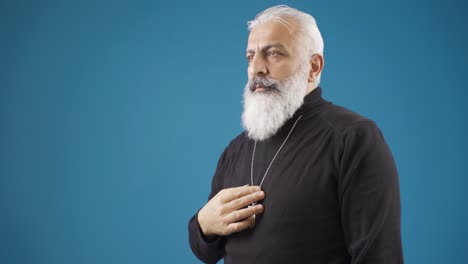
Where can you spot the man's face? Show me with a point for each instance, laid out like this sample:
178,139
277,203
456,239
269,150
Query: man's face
277,80
272,52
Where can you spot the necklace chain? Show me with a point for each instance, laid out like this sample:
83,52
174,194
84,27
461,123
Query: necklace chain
274,157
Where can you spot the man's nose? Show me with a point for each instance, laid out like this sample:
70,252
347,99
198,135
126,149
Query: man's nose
258,66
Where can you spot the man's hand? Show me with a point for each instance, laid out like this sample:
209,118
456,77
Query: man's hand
225,214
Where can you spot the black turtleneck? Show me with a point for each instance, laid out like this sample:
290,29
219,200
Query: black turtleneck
332,194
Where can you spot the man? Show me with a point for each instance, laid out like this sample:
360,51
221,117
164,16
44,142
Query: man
307,181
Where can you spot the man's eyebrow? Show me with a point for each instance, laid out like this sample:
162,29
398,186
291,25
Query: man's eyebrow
267,47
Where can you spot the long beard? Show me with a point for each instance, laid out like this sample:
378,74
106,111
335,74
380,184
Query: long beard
266,112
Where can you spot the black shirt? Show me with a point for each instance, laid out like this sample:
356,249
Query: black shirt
332,194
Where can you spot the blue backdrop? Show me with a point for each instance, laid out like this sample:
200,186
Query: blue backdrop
113,116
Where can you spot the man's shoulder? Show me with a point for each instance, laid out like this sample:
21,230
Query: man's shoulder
236,144
342,119
241,138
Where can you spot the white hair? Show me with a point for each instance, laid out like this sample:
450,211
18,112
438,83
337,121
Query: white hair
307,28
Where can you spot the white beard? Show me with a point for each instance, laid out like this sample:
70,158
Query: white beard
266,112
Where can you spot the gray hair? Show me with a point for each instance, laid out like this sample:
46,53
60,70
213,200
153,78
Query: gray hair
308,29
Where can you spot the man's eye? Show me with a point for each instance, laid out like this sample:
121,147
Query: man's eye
249,58
272,53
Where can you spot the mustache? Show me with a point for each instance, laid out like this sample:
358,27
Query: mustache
270,84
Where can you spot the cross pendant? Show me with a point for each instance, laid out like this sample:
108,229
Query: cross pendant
253,204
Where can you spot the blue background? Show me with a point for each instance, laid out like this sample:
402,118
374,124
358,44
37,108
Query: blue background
114,114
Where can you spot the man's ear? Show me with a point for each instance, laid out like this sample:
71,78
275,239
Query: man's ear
316,66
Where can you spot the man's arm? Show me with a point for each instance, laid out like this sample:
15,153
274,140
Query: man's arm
208,249
369,196
224,214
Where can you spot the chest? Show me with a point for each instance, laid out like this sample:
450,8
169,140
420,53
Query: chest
301,204
303,173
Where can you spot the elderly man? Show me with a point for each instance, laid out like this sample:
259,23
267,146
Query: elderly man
307,181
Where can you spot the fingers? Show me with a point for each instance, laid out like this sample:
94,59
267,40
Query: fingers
245,201
242,214
230,194
226,213
242,225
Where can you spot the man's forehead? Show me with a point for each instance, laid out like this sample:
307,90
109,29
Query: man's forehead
266,47
272,33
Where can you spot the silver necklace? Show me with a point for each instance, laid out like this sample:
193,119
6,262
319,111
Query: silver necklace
272,160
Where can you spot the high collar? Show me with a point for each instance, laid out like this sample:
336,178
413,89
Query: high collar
313,102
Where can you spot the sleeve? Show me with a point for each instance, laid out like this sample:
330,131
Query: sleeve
369,196
208,250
